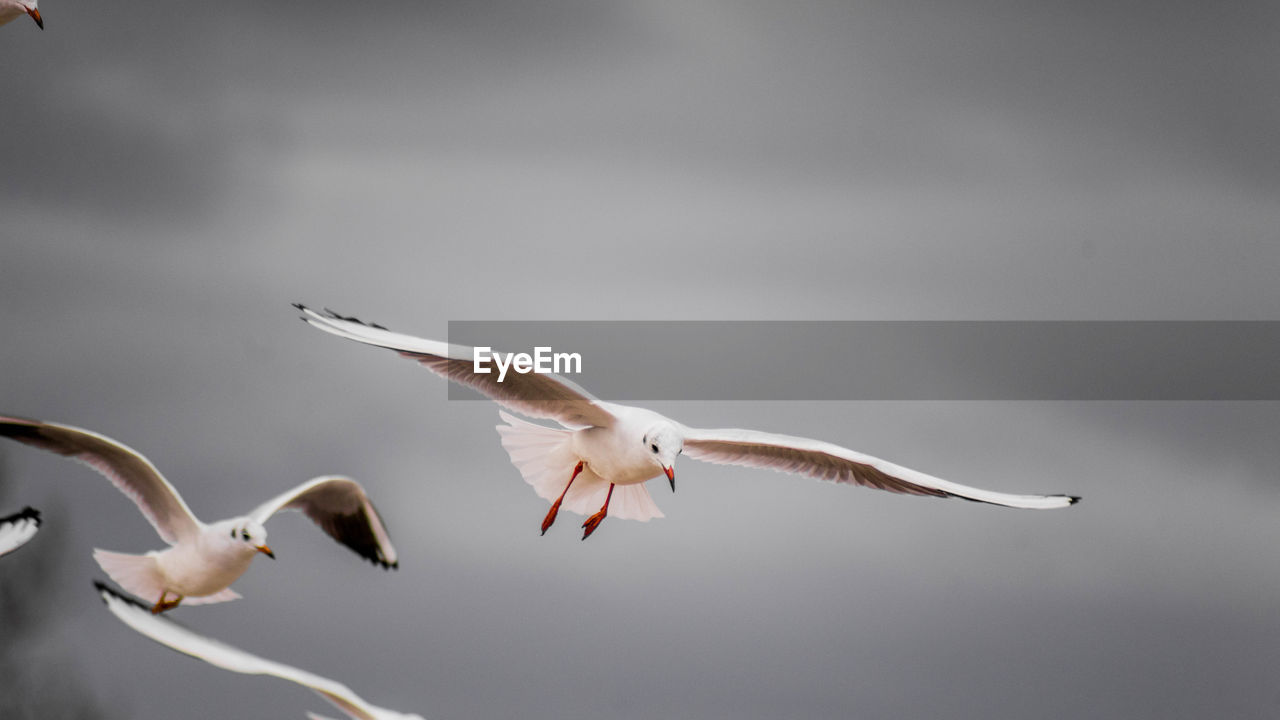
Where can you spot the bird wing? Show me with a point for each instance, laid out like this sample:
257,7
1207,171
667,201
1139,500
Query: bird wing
833,463
341,508
538,395
187,641
128,470
18,528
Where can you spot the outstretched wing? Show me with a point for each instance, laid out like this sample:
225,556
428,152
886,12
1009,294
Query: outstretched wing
18,528
833,463
184,640
341,508
127,469
538,395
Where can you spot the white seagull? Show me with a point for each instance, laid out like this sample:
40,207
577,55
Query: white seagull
185,640
602,447
203,560
18,528
12,9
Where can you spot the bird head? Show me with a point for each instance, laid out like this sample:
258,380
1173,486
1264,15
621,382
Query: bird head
663,442
251,535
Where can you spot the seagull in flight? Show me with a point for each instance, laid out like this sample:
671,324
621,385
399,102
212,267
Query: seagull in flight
18,528
202,560
12,9
187,641
604,452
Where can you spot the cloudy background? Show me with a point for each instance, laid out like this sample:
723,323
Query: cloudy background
177,173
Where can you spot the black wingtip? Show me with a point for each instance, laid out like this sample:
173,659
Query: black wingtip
1071,500
104,589
345,318
23,430
26,513
30,513
378,561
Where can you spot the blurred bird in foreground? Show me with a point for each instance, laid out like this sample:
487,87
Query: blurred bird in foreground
185,640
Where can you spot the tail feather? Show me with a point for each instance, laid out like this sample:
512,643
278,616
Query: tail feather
223,595
539,453
545,460
633,502
138,575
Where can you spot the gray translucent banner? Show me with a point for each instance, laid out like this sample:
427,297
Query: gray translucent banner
895,360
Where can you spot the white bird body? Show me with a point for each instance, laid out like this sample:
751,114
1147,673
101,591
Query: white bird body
602,447
11,10
208,565
612,452
17,529
218,654
203,560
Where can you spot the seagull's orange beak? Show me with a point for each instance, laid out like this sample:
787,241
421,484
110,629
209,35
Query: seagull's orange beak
671,475
266,551
35,15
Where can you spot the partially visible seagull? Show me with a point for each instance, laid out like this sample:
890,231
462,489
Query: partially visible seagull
18,528
602,447
185,640
203,560
11,9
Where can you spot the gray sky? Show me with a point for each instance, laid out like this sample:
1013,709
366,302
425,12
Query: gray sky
177,173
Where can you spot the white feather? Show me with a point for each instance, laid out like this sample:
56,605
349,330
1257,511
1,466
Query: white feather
17,530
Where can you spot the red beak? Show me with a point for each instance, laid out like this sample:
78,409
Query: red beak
35,15
266,551
671,475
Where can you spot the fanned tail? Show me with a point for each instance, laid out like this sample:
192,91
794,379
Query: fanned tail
633,502
223,595
545,460
138,575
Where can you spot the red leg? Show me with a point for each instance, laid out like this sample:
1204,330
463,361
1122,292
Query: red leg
162,604
555,507
594,521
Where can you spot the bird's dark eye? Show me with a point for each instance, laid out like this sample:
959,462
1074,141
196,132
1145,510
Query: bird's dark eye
653,448
244,534
233,533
